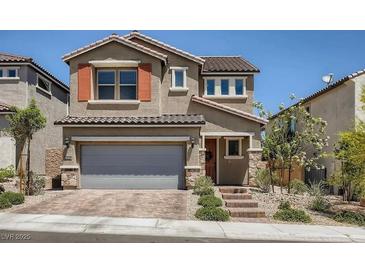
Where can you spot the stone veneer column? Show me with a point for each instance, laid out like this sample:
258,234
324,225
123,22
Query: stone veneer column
254,163
193,172
202,161
54,157
70,169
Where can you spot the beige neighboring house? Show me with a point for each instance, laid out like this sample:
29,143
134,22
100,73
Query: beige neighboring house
146,115
340,106
22,79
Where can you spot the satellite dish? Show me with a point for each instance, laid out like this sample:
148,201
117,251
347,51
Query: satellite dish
328,79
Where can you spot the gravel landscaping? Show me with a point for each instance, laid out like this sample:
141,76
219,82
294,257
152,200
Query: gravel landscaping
270,202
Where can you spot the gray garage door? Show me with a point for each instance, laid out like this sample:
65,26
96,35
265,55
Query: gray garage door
132,166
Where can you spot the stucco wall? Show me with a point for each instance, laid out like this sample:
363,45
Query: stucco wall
7,145
337,107
359,86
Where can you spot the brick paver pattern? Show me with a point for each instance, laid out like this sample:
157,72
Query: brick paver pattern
170,204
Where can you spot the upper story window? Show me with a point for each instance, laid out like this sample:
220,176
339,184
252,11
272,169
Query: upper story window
43,84
9,72
227,87
178,79
128,84
117,84
210,87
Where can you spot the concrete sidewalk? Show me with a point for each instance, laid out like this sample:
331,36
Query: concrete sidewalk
62,228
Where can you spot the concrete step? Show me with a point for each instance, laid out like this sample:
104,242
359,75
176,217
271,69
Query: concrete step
246,212
236,196
232,189
242,203
249,220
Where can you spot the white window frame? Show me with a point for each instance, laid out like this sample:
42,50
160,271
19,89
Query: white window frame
185,86
109,85
6,73
233,157
231,87
46,80
127,85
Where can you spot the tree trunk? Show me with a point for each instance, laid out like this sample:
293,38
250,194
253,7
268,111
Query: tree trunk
28,166
289,178
281,179
271,178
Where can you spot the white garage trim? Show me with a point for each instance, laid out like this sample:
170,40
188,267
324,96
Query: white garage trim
130,138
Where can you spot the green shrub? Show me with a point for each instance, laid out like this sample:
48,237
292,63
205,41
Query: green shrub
4,203
284,205
203,186
210,201
298,186
6,173
13,197
317,189
292,215
263,179
37,185
212,214
320,204
350,217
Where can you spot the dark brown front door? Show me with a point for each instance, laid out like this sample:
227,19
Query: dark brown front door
211,159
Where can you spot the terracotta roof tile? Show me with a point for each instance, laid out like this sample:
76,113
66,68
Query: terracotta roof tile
227,64
6,57
166,119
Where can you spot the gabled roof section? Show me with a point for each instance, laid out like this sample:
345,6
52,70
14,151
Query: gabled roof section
6,58
227,64
233,111
143,37
166,119
326,89
118,39
4,108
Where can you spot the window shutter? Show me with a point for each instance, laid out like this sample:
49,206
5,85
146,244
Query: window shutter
84,82
144,82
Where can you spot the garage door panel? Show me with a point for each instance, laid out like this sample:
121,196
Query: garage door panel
132,166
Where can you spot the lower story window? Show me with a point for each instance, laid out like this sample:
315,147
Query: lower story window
233,148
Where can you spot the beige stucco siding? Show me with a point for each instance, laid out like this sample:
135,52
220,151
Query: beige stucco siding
359,86
337,107
116,51
192,154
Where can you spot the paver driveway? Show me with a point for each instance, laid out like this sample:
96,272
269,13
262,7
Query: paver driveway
115,203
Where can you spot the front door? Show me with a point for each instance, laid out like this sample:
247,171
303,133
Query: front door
211,159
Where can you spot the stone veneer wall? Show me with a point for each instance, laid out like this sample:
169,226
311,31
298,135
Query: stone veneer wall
254,164
194,172
54,157
70,178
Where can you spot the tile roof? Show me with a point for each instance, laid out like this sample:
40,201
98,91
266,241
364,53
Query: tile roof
11,58
4,107
166,119
231,110
116,38
325,89
232,64
165,46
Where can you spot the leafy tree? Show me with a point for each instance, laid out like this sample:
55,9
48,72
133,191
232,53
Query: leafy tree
22,126
290,136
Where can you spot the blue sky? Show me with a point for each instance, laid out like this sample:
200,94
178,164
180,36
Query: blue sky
290,61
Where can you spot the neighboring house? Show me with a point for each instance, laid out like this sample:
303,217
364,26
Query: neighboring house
146,115
21,79
340,106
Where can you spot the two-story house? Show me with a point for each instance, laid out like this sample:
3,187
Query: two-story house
339,104
21,80
146,115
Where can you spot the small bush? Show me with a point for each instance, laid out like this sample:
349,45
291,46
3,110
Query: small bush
2,189
212,214
317,189
298,186
284,205
263,179
13,197
320,204
350,217
37,185
4,203
6,173
292,215
203,186
210,201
